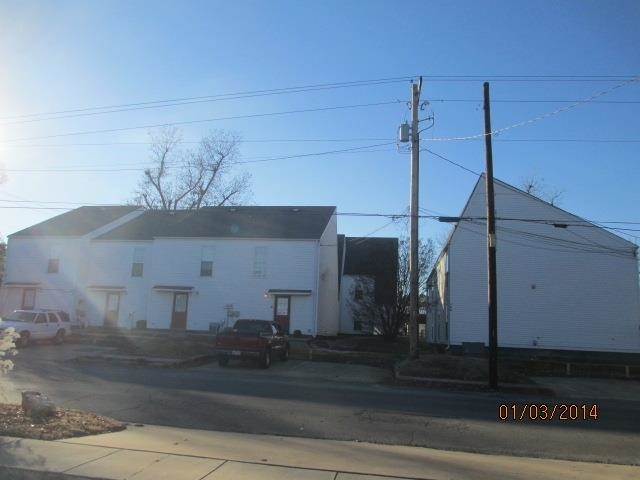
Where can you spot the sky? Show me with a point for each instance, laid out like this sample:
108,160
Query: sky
562,74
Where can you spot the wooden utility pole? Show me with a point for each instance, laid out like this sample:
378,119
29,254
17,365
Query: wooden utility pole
413,221
491,248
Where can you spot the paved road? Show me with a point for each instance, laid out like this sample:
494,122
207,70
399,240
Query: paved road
283,401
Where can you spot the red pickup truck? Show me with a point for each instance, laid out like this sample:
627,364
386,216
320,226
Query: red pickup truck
259,339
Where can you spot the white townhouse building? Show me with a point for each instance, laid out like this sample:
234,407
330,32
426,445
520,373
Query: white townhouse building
564,283
124,266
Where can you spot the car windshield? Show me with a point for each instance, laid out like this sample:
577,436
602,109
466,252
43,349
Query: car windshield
19,316
243,326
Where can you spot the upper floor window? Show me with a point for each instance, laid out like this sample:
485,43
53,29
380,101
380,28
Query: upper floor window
137,266
260,262
206,262
53,265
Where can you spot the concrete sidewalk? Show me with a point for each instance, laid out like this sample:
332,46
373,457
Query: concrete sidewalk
157,453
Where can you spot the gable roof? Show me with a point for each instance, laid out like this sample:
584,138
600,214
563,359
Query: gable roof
77,222
561,216
291,222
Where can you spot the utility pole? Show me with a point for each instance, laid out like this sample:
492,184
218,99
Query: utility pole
491,248
413,221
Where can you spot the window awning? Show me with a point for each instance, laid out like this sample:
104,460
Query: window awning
21,284
284,291
172,288
108,288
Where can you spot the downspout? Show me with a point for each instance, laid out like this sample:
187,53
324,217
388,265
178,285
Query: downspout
316,281
341,282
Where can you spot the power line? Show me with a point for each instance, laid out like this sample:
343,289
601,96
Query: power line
396,216
321,86
514,100
362,149
538,246
450,161
529,78
205,120
322,140
216,97
544,116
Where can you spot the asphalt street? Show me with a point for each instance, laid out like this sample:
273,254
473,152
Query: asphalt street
245,399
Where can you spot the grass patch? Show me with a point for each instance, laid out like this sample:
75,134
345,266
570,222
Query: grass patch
458,368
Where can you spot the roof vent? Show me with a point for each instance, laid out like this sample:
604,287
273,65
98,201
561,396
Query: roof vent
295,209
233,209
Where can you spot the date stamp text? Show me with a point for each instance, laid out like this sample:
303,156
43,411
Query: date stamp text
544,411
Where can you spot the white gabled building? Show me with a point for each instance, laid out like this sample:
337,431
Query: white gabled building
46,264
182,269
563,282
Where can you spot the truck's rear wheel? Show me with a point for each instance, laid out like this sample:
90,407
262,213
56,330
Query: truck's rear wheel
265,359
284,356
223,360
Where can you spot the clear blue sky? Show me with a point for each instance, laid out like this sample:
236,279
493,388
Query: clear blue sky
71,55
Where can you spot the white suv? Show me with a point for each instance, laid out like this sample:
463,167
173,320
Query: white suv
37,325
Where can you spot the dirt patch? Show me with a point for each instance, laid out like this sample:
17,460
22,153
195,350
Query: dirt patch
65,424
148,345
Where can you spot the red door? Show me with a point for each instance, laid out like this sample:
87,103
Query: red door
179,314
112,310
282,312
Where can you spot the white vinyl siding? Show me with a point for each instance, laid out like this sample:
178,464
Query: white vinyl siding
572,288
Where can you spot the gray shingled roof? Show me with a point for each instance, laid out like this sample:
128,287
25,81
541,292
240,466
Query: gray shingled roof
77,222
237,222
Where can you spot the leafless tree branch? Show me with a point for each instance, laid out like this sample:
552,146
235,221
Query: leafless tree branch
192,179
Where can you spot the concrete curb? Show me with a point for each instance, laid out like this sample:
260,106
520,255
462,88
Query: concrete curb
471,385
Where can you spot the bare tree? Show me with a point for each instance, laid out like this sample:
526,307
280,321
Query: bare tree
389,318
536,186
192,178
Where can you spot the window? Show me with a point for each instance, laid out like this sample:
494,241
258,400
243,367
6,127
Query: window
206,262
53,266
41,318
260,262
52,318
357,325
137,267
